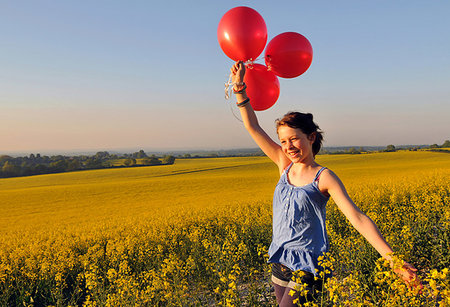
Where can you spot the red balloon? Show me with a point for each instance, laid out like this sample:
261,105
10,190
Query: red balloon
263,87
242,33
289,54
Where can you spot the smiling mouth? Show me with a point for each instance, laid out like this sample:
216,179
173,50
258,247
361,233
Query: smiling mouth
293,153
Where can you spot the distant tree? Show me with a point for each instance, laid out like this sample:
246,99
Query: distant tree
168,160
74,165
129,162
4,158
102,155
57,158
446,144
25,164
434,146
353,150
26,169
151,161
10,169
40,169
187,155
94,162
139,154
59,166
390,148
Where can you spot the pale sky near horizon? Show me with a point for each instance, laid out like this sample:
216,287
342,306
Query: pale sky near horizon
108,75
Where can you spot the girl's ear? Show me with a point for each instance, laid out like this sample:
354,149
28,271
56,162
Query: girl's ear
312,137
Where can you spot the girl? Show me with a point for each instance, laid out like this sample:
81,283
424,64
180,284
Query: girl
299,234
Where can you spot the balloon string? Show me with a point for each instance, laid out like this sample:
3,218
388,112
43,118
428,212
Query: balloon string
234,114
229,84
228,88
252,61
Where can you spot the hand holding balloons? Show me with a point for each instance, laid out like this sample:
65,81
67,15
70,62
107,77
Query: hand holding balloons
238,73
263,87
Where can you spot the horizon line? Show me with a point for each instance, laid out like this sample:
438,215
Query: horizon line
170,150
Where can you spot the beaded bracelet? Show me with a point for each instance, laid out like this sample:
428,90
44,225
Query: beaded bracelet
243,103
241,90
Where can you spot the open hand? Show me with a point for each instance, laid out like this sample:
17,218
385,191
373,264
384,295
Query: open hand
408,274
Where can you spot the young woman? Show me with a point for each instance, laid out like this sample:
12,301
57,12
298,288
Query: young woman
299,234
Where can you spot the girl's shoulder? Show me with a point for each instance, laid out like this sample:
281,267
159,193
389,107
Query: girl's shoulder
324,169
329,179
325,172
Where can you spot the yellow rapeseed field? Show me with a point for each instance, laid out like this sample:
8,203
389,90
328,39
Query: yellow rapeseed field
196,233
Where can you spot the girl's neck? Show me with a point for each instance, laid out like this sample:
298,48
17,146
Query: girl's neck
301,174
301,166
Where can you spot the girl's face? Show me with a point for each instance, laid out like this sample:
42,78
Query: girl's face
296,145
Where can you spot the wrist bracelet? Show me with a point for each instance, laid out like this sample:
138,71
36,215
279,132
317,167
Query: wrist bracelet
243,103
241,90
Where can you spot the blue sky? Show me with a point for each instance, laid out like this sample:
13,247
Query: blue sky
108,75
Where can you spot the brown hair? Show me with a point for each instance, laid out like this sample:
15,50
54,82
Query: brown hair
304,122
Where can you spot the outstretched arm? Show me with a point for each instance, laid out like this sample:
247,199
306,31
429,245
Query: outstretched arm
362,223
267,145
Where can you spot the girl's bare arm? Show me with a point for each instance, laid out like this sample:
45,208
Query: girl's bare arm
362,223
267,145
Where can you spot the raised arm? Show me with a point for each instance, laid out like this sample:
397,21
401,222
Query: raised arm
362,223
267,145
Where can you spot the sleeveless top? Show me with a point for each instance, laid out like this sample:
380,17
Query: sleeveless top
299,233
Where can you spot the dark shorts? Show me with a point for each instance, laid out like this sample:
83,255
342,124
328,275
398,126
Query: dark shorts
282,276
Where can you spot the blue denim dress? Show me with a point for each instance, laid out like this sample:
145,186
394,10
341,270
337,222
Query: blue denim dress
299,233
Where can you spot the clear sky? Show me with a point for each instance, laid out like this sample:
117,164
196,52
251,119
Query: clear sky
107,75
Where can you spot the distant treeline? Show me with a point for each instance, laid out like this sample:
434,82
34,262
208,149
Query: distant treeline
243,152
389,148
325,151
37,164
